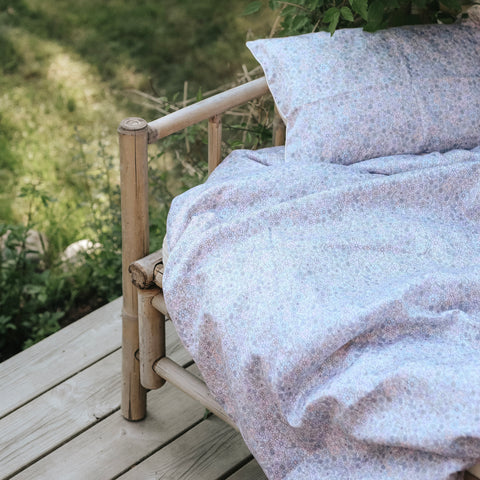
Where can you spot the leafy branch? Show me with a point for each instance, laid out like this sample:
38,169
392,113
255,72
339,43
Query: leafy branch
305,16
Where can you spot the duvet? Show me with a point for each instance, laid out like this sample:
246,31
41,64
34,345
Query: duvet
334,311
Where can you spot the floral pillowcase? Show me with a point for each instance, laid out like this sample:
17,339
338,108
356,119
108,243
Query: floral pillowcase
357,95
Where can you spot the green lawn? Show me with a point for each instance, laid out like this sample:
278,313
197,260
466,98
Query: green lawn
66,67
66,71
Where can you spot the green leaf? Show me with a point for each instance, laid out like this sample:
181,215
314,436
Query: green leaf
360,7
346,14
453,5
375,14
299,22
290,10
252,7
332,16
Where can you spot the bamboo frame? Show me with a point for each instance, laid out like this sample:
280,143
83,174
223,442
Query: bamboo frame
279,130
146,313
191,385
214,142
147,272
133,142
158,302
216,105
151,328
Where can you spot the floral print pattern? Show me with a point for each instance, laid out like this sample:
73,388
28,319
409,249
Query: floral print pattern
357,95
334,311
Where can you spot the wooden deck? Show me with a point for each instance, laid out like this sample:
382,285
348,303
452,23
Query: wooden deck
60,418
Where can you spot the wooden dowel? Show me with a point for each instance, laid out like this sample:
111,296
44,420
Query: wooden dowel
133,138
151,325
191,385
185,97
278,129
142,272
158,302
214,142
205,109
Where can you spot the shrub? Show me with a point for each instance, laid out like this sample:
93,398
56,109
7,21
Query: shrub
305,16
32,298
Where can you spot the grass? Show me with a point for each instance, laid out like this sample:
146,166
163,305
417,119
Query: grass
65,69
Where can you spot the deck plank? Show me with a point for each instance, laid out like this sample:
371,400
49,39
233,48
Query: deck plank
59,356
64,411
64,422
206,452
113,445
251,471
57,415
474,472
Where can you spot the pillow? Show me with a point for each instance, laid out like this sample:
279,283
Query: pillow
357,95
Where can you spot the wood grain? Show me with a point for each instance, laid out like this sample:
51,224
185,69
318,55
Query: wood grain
58,415
114,445
164,126
251,471
214,142
158,302
142,271
207,451
279,130
151,329
58,357
473,473
132,137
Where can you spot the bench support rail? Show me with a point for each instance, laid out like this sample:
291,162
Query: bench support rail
191,385
151,326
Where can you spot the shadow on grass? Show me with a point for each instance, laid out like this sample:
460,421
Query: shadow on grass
168,41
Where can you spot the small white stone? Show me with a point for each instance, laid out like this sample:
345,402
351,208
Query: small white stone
72,254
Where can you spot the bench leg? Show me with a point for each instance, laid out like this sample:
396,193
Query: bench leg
134,396
151,324
133,143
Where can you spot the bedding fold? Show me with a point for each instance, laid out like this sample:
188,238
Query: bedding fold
334,311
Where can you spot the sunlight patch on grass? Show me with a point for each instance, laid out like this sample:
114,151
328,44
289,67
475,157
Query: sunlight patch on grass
65,67
51,103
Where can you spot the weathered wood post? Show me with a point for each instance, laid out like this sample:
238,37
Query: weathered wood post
133,141
214,142
151,323
278,135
